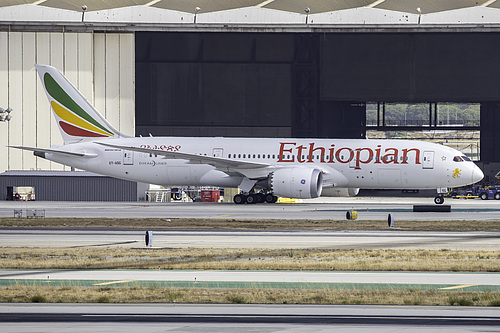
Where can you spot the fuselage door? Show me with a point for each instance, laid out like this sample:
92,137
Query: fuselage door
218,152
128,157
428,160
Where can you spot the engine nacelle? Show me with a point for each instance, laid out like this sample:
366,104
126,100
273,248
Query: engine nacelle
340,192
303,183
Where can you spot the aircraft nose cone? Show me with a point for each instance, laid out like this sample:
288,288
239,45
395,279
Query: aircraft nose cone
477,174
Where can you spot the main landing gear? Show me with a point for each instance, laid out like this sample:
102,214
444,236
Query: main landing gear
254,198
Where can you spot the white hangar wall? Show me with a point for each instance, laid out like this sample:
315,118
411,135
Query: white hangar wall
100,65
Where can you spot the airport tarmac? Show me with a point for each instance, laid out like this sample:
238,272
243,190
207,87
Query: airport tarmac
125,318
255,279
299,239
368,208
262,318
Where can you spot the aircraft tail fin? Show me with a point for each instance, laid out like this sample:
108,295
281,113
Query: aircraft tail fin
77,119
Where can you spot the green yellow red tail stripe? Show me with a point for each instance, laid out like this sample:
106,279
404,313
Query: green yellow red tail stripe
74,120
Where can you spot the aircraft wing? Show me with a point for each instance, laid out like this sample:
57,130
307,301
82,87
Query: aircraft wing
39,151
245,168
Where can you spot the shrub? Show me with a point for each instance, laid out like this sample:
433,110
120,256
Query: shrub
38,299
236,299
103,299
460,301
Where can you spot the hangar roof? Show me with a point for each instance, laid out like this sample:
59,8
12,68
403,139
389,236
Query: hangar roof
252,12
297,6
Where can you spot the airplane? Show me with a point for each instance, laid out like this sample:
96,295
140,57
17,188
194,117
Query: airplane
262,168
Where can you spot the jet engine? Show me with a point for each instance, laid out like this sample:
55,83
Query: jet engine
340,192
304,183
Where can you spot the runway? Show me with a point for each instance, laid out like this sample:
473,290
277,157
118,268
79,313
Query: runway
368,208
208,318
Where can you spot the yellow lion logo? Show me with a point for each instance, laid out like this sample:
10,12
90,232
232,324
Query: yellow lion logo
456,173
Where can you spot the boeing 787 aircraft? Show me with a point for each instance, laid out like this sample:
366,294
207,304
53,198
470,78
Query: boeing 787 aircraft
263,168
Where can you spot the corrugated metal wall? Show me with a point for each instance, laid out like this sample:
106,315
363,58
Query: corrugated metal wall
100,65
72,188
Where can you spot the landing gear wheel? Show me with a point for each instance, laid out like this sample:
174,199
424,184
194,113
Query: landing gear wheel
239,199
439,200
270,198
251,199
261,197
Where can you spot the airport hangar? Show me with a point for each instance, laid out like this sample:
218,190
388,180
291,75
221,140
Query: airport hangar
246,68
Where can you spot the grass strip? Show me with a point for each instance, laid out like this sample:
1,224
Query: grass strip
251,259
244,224
155,294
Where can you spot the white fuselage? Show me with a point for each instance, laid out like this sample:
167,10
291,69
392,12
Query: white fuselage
345,163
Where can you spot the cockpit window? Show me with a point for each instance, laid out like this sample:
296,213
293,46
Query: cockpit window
465,158
457,159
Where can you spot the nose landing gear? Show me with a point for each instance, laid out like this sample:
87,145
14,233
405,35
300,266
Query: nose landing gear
439,200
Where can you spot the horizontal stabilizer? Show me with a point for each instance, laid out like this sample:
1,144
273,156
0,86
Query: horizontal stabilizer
39,151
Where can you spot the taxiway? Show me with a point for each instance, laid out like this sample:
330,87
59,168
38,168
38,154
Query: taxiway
298,239
368,208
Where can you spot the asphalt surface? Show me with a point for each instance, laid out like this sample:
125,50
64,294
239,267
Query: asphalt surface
368,208
376,239
243,318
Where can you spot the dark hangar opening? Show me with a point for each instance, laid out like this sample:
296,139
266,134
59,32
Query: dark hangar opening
267,84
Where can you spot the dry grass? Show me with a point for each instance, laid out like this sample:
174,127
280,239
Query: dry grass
28,294
184,223
251,259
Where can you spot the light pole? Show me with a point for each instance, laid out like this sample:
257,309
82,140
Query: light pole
196,11
84,8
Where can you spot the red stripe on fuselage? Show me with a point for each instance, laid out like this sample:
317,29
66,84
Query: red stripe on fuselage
75,131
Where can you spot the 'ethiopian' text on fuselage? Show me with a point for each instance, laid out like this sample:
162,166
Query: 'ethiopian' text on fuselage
290,152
